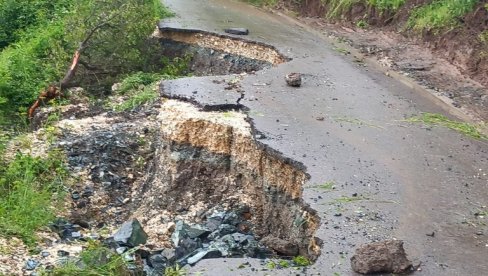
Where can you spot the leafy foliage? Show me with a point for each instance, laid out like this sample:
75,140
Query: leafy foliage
27,187
17,16
121,29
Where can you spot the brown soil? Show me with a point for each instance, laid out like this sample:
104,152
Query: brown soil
455,65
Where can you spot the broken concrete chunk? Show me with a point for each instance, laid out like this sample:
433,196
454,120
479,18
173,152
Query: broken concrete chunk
283,247
237,31
131,234
385,256
294,79
204,254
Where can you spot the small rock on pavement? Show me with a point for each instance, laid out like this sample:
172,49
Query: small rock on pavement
294,79
385,256
237,31
131,234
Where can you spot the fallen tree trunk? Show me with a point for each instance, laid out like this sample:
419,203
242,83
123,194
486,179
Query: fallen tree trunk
53,91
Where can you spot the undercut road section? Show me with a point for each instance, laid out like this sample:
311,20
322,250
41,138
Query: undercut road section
373,175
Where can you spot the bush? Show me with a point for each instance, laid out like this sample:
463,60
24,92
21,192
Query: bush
17,16
42,55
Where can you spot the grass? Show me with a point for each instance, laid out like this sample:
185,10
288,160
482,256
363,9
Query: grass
356,122
384,5
262,2
95,260
143,95
439,15
175,271
433,119
301,261
346,199
30,190
328,186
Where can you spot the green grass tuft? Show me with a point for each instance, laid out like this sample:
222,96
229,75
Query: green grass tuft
439,15
433,119
301,261
383,5
28,186
94,260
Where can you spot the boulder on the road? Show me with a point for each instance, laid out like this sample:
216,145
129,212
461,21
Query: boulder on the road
385,256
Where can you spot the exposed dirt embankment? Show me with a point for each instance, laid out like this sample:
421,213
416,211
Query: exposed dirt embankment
208,159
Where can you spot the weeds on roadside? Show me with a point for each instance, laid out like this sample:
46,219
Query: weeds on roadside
433,119
440,14
175,271
328,186
94,260
28,187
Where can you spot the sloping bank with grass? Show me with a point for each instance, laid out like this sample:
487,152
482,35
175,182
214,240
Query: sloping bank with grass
456,29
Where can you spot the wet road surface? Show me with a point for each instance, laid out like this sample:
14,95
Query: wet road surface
391,179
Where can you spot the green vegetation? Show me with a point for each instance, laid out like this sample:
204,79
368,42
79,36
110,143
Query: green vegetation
347,199
175,271
263,2
382,5
440,14
141,87
328,186
137,97
356,121
301,261
42,49
17,16
94,260
467,129
30,188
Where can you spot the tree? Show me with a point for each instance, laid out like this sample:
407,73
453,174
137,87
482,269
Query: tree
108,38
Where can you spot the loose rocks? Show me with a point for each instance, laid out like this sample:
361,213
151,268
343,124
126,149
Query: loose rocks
386,256
281,246
131,234
294,79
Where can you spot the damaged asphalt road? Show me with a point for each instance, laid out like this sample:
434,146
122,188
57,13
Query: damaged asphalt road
373,175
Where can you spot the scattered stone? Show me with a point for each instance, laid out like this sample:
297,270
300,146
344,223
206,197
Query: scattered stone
237,31
212,253
62,253
131,234
169,254
294,79
385,256
121,250
75,195
281,246
31,264
158,261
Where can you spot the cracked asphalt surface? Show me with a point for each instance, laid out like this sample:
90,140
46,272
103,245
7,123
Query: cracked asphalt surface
392,179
